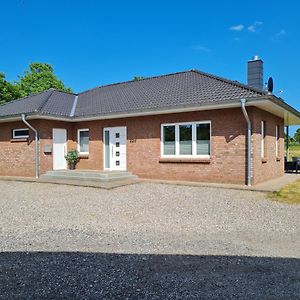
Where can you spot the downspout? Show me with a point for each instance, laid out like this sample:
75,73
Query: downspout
287,143
36,145
243,102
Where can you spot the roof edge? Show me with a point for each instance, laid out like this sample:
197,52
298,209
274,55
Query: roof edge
45,91
46,100
235,83
165,110
232,82
132,80
23,98
283,104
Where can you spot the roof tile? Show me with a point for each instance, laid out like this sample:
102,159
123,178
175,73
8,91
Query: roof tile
185,88
167,91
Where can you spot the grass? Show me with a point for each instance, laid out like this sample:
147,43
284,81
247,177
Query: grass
294,150
289,194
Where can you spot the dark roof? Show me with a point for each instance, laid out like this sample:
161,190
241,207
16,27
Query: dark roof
167,91
189,88
25,105
50,102
59,103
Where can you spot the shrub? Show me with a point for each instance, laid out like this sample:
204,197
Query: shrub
72,157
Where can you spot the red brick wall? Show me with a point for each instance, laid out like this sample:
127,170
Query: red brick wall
271,166
228,144
95,158
227,162
16,159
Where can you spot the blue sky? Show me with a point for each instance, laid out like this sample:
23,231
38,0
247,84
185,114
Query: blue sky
90,43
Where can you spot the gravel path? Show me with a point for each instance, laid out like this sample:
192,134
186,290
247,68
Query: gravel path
146,241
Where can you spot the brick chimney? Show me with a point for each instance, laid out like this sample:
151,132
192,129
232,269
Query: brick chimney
255,75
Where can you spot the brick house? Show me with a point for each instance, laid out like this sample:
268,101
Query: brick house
184,126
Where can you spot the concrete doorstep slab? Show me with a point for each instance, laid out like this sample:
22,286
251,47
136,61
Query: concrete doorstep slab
107,185
273,185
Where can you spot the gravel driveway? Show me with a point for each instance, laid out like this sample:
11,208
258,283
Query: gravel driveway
146,241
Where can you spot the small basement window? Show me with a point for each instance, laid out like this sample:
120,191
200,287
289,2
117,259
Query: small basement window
22,133
83,141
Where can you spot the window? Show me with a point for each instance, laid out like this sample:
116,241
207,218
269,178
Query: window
169,140
22,133
83,141
186,139
107,153
263,137
203,139
277,140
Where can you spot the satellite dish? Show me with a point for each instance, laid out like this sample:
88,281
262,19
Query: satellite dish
270,85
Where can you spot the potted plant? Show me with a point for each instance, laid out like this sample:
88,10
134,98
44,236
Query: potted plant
72,158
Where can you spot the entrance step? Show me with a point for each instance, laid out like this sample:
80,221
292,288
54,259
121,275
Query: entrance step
89,175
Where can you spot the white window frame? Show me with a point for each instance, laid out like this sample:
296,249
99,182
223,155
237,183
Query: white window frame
78,140
194,140
262,132
20,136
277,140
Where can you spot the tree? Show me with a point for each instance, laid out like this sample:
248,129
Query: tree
39,78
291,139
8,91
297,135
137,78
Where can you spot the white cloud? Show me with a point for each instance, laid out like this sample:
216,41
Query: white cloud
281,33
256,26
239,27
201,48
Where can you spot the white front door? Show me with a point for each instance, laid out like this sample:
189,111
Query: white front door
59,149
115,139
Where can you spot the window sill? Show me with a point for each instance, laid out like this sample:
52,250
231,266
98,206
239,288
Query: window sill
84,155
264,160
19,140
184,160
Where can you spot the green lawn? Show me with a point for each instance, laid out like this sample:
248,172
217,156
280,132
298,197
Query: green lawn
289,194
294,150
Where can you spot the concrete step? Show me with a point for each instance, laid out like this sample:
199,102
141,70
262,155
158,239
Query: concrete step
87,175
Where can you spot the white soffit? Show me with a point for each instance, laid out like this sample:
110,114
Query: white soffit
273,108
